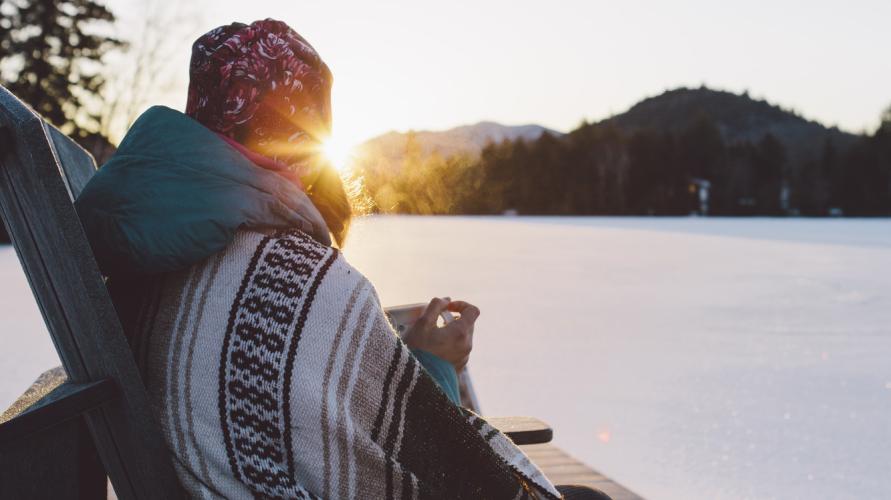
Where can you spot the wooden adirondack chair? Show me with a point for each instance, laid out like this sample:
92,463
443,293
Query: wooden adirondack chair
52,445
43,171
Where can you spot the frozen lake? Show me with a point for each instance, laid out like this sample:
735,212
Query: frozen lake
686,358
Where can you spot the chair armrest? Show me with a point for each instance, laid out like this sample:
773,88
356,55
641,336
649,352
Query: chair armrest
523,430
45,384
63,402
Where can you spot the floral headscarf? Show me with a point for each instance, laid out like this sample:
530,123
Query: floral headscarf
262,80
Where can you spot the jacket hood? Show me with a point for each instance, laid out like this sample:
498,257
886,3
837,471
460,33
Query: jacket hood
175,193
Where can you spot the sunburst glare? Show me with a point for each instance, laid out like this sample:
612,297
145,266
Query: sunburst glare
338,152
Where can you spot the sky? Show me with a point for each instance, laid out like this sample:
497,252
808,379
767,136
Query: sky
417,64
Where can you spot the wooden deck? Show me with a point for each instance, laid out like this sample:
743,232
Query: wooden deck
562,468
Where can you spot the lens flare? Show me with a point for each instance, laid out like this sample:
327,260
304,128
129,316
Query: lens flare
338,152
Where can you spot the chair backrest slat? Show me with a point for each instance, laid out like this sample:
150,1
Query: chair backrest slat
42,172
76,165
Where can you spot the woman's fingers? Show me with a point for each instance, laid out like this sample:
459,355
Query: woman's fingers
469,312
436,306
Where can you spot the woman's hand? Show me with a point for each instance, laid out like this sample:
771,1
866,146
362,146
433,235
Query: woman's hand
452,342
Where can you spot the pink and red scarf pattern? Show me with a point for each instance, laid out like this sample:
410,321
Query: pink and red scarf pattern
261,80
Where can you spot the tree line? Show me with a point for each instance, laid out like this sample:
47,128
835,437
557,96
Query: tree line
601,169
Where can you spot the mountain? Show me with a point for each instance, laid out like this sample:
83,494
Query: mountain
738,117
464,139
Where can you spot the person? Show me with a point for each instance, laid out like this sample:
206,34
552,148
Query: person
267,357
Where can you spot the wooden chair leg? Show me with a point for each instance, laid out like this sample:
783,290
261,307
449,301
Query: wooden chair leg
92,480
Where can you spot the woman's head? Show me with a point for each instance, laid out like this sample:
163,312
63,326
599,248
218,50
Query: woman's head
265,87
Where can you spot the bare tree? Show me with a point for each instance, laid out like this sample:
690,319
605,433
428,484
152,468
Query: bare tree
147,70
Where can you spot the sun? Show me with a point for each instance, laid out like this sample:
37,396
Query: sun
338,152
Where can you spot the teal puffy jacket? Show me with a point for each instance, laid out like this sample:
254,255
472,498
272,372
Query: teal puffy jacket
175,193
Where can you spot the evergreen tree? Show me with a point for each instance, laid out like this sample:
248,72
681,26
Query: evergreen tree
734,189
504,167
596,161
810,183
541,187
769,167
581,145
865,184
701,154
644,169
818,181
701,149
51,58
652,174
885,126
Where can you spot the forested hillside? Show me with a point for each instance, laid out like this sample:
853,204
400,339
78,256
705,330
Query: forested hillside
685,151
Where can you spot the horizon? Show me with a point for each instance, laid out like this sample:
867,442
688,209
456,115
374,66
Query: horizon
403,66
767,100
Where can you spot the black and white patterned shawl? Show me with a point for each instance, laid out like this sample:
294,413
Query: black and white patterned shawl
275,374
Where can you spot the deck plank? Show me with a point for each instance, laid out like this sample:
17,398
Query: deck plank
562,468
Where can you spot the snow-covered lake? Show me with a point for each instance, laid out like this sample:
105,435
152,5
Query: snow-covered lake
686,358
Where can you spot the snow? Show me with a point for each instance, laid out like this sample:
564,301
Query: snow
686,358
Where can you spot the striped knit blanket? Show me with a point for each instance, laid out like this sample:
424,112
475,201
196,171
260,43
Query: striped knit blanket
275,374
